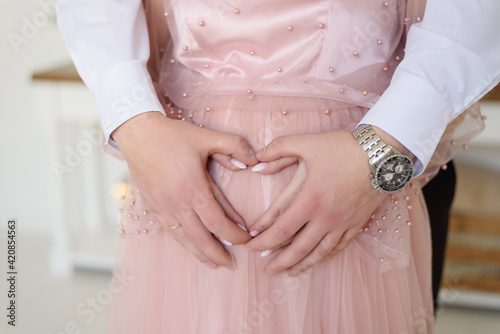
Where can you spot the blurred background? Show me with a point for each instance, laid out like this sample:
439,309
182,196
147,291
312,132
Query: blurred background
64,195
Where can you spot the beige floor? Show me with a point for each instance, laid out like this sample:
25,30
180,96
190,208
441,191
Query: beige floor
48,305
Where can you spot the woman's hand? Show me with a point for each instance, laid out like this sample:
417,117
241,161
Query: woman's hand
325,205
167,161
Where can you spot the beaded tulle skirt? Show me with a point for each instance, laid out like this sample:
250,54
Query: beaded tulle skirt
380,283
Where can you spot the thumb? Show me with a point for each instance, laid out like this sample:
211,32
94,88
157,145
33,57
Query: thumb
281,147
234,146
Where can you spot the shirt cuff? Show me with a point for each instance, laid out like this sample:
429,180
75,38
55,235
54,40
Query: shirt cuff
417,118
122,92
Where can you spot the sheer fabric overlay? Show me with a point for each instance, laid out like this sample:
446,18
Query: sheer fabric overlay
381,282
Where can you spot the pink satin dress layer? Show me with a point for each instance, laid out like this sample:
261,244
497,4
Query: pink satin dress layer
265,69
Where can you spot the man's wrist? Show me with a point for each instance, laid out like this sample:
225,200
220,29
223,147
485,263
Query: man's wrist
127,128
391,169
388,139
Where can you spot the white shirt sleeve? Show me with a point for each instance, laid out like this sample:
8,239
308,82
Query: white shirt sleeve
452,59
108,42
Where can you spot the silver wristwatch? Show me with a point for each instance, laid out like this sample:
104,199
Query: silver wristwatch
391,170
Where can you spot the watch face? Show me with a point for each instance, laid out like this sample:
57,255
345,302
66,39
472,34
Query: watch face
394,173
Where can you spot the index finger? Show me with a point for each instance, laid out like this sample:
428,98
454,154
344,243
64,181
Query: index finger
213,217
282,202
285,227
203,239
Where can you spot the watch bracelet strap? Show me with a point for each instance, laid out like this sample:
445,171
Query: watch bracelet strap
371,143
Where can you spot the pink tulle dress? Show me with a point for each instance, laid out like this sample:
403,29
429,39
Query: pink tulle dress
264,69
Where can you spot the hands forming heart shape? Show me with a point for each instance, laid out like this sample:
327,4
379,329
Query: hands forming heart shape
327,202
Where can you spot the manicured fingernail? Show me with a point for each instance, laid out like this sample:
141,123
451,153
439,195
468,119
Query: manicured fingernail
242,227
270,272
293,272
260,166
225,242
238,164
267,252
211,265
254,233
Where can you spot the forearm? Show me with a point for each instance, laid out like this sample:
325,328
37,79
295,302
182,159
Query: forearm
134,132
108,42
448,66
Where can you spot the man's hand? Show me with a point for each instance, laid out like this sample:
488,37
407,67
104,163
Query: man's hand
167,161
328,201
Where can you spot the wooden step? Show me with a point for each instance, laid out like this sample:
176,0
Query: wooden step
472,283
476,255
475,224
472,258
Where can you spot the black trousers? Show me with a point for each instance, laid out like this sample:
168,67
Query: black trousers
439,193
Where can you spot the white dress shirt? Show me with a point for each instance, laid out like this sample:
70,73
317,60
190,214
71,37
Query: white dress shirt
452,59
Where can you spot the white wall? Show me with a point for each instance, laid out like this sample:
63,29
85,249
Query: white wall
25,171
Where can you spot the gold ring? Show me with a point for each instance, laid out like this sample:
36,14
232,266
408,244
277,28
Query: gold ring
176,226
